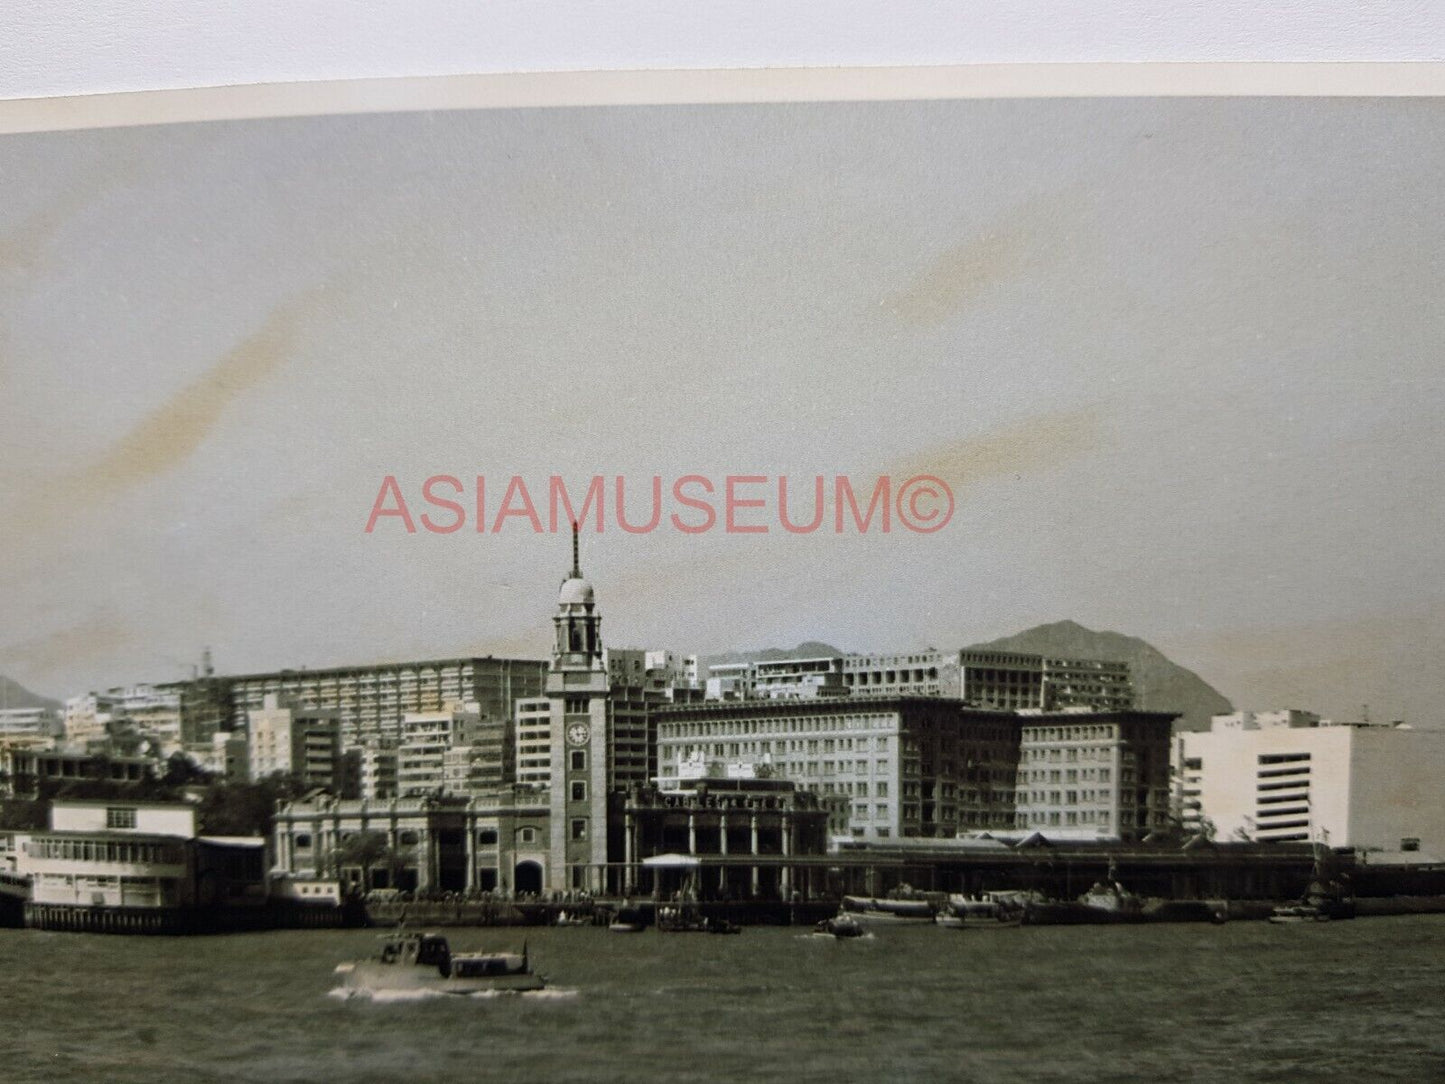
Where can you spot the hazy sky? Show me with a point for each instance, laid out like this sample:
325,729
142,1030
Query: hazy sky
1179,359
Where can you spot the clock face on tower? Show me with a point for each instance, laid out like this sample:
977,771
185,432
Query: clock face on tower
578,733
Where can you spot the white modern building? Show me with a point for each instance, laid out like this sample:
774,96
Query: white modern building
1292,776
28,722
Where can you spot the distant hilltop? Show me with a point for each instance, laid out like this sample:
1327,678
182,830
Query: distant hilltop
1159,683
15,695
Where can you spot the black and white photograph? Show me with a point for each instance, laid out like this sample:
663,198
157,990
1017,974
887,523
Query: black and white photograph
923,589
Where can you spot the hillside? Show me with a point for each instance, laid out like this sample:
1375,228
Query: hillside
1162,685
15,695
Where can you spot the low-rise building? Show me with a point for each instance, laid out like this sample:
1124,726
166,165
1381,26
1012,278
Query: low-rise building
115,866
25,768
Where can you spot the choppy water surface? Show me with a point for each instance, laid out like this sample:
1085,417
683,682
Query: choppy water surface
1247,1001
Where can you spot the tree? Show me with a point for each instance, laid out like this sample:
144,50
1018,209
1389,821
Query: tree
364,849
246,809
182,771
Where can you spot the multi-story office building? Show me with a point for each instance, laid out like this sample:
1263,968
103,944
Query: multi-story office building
29,722
988,679
376,771
426,736
295,740
1090,775
370,700
1292,776
534,742
87,718
928,766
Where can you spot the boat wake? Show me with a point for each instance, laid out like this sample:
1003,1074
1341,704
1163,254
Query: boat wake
394,997
814,935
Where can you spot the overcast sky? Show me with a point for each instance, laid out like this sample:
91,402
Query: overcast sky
1179,359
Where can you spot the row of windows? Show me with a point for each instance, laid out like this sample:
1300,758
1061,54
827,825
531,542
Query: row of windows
1089,732
724,728
85,850
1066,797
486,837
1072,775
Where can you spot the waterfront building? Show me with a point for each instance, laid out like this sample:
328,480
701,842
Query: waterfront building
1094,775
1291,776
717,838
134,866
481,843
296,740
931,767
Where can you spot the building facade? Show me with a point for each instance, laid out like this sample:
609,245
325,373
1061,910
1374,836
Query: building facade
134,866
1290,776
1003,680
928,767
484,843
1094,775
284,737
370,700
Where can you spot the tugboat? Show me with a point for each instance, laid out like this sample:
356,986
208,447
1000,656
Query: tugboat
424,962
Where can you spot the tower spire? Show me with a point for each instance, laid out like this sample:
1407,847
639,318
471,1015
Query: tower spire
576,558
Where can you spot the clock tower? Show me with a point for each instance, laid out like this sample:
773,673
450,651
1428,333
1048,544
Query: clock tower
581,737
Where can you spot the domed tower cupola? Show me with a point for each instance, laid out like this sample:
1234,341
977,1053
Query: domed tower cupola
578,641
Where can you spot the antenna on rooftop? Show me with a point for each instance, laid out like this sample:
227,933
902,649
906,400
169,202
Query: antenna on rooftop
576,554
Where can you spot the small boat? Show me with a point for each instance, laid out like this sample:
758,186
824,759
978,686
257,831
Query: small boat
574,919
424,962
680,920
841,925
628,920
722,925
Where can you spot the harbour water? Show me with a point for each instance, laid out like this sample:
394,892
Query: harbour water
1241,1002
